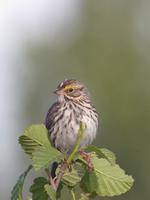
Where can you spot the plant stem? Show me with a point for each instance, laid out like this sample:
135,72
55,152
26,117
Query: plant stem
77,145
71,157
73,194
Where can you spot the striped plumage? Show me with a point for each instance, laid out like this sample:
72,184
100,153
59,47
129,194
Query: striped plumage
64,116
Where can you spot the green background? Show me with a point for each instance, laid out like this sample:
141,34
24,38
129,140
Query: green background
108,50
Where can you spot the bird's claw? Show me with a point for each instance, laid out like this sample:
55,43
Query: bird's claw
88,158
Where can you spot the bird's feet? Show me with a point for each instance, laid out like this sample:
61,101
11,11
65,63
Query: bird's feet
88,158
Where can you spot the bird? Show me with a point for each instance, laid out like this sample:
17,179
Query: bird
73,106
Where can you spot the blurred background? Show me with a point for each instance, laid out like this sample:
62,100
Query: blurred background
106,45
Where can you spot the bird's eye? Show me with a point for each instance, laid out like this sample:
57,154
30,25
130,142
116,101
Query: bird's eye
70,90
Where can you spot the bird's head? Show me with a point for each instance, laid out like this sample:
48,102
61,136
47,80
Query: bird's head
71,89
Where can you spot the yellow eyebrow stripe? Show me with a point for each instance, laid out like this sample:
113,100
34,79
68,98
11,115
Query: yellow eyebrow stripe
71,87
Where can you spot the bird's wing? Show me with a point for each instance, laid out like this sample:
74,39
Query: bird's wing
51,114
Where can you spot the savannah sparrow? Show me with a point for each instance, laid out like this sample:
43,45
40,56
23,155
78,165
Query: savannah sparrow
64,116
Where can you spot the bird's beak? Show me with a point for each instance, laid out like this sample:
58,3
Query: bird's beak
58,92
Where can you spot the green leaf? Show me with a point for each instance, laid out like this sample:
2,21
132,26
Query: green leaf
75,175
50,191
89,182
38,190
106,179
16,193
43,156
103,153
27,144
35,142
109,155
35,135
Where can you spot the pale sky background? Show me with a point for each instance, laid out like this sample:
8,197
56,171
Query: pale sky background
21,23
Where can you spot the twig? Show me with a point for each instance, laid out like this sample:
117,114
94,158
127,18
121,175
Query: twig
60,175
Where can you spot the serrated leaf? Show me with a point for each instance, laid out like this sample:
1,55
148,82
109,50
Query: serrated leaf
89,182
16,193
27,144
103,153
43,156
50,191
73,177
35,135
38,190
106,179
109,155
